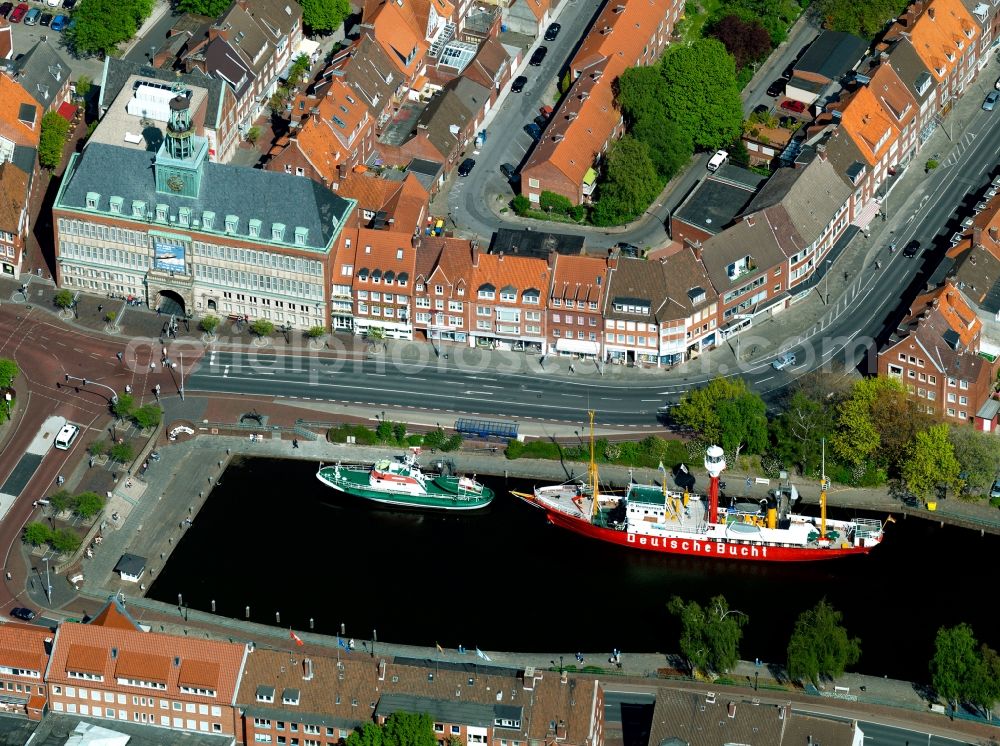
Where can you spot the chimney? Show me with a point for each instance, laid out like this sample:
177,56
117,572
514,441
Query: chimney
995,233
475,263
821,151
307,669
930,13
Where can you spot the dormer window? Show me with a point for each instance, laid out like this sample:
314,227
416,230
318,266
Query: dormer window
138,208
184,216
290,697
740,267
530,296
301,236
93,198
265,694
277,232
487,292
116,205
508,294
255,228
161,213
232,223
208,220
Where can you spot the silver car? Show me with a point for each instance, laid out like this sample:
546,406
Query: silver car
783,361
991,100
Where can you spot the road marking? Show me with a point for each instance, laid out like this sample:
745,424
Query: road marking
575,396
380,375
765,379
493,387
414,378
609,398
649,400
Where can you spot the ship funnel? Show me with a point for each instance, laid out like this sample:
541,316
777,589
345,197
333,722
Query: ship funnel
715,461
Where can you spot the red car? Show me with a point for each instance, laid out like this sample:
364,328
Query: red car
796,106
19,12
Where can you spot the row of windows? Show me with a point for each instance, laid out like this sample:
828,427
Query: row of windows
307,728
138,717
439,289
455,306
560,302
734,294
27,672
13,686
457,321
385,297
103,232
261,283
255,258
579,320
629,326
103,254
527,296
579,335
97,695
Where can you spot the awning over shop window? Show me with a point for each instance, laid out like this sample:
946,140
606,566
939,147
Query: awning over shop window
577,345
67,111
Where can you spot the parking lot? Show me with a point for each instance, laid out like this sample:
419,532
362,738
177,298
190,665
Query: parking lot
25,37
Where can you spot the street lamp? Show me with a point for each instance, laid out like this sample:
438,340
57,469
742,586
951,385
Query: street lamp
374,640
48,580
828,263
180,355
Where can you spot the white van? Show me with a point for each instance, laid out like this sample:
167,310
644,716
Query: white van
66,437
716,161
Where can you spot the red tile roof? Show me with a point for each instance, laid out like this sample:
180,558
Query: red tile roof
24,646
397,33
578,277
520,272
134,665
113,616
941,34
12,98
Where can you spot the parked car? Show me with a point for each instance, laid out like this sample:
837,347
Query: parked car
518,85
537,56
52,3
792,105
19,12
912,249
466,167
541,121
783,361
552,31
59,22
31,17
46,19
776,88
5,9
995,489
69,4
20,612
786,74
534,130
509,170
628,249
761,109
991,100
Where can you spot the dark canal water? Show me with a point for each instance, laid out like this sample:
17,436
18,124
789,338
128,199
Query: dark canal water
273,538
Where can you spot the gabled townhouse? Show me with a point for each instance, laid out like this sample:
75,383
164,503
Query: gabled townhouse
576,302
509,296
441,296
397,205
133,95
782,238
188,30
946,38
385,265
564,161
249,48
493,68
917,78
449,123
935,354
328,136
528,17
369,71
319,701
987,17
24,659
20,129
43,72
688,317
402,34
182,683
976,272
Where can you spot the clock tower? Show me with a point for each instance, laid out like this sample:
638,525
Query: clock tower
180,158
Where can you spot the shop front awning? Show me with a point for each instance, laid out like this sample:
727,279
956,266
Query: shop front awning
578,346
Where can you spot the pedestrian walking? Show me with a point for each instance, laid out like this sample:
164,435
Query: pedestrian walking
100,307
152,366
120,356
8,575
295,442
128,389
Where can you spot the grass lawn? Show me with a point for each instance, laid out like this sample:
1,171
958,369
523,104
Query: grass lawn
696,13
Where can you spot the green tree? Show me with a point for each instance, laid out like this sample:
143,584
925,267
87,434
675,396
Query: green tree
631,183
978,454
63,299
799,430
122,452
315,332
148,415
985,688
702,96
52,140
552,202
931,462
747,41
325,15
88,504
865,19
368,734
253,135
209,324
36,534
956,663
211,8
61,500
98,448
83,86
122,409
743,421
520,204
299,68
65,541
409,729
820,646
399,432
8,372
101,25
384,431
669,150
710,636
857,437
640,92
262,328
698,408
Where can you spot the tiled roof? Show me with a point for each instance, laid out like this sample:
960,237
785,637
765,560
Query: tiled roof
445,261
579,278
396,30
832,54
367,69
114,614
13,197
488,64
147,656
688,288
382,252
893,95
6,39
42,70
977,268
952,307
937,32
17,109
520,272
912,70
24,646
404,202
872,129
673,288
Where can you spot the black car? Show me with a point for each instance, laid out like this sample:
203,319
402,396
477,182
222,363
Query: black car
541,121
509,170
912,249
19,612
786,74
534,130
69,4
789,122
5,9
761,109
627,249
519,83
776,88
537,56
46,19
552,31
466,168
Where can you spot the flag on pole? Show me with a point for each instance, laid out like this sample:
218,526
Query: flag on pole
440,649
298,640
482,655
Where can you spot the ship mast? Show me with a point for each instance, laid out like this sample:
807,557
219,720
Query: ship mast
715,464
822,493
592,470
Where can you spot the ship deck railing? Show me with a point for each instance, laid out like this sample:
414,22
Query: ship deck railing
867,527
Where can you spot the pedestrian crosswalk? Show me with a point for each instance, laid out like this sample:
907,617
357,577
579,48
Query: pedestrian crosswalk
960,147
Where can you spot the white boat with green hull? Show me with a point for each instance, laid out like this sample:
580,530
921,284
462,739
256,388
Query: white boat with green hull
401,482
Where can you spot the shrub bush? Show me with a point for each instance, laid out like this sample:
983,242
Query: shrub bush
362,435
